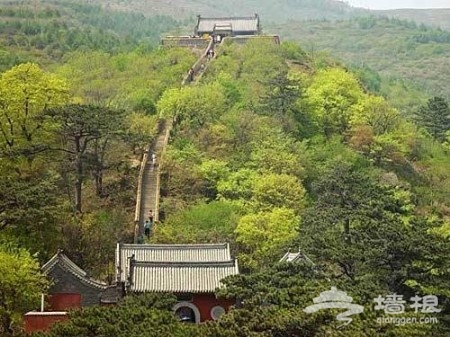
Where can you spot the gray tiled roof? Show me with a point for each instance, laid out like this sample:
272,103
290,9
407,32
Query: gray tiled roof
243,24
296,257
192,277
169,253
61,260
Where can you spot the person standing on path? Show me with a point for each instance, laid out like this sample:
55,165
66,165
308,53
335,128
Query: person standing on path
153,159
150,217
147,228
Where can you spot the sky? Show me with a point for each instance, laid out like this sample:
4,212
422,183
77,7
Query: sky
394,4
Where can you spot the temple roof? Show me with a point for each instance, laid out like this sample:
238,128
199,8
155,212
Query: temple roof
238,24
180,277
296,257
174,268
62,261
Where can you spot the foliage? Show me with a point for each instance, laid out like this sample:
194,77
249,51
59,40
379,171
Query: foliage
140,129
142,315
193,105
86,131
272,304
25,91
419,53
237,185
435,118
263,236
275,147
126,81
202,223
364,232
30,210
21,286
49,31
275,152
331,95
278,190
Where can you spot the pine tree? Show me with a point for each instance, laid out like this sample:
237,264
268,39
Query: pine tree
435,117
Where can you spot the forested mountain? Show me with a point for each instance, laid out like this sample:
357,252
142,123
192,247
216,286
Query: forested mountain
409,56
398,50
46,31
274,149
282,10
437,18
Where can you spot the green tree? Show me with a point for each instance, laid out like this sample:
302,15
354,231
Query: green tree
148,315
366,233
21,286
377,113
85,128
193,105
25,91
435,118
275,152
272,304
262,236
201,223
331,95
140,130
278,190
237,185
283,92
30,209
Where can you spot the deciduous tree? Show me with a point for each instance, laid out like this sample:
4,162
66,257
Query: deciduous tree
25,91
21,286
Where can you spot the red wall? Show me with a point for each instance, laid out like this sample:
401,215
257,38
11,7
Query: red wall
205,302
35,322
64,301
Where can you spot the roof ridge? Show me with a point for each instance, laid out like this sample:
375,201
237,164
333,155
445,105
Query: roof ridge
229,18
174,246
228,263
67,264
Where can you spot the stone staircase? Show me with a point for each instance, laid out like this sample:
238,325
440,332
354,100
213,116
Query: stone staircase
149,176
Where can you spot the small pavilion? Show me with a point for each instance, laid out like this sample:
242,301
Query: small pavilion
228,26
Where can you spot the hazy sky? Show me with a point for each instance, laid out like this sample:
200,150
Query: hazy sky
393,4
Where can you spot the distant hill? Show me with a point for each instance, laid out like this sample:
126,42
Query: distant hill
45,31
431,17
394,48
270,10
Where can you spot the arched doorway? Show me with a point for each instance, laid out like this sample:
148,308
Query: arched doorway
187,312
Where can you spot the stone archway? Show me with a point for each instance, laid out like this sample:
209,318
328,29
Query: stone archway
187,305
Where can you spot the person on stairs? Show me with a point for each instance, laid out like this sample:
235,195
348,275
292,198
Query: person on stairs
191,74
147,226
150,216
153,159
